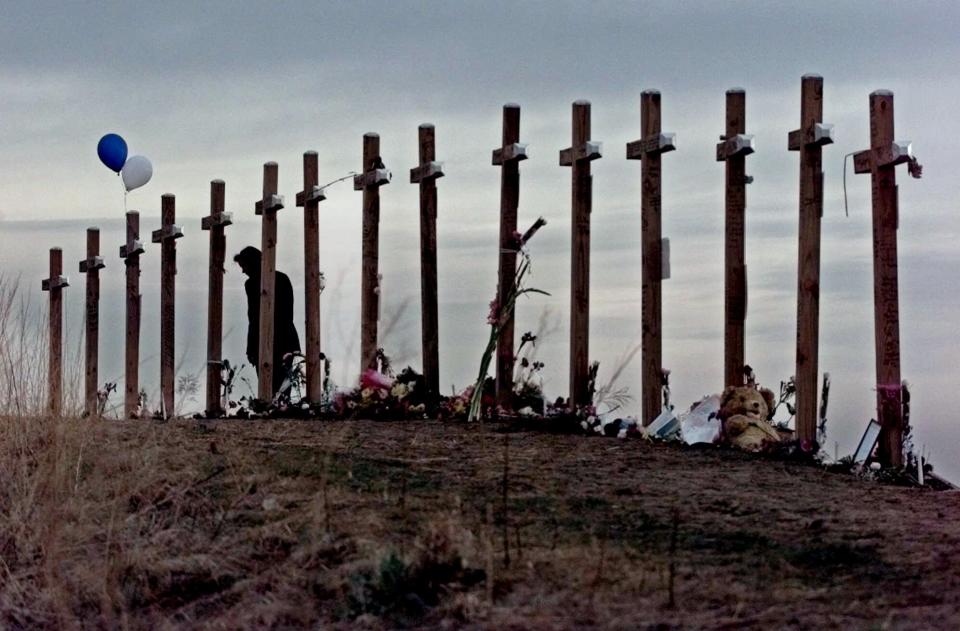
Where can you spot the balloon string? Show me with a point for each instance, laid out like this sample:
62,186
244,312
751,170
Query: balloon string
124,195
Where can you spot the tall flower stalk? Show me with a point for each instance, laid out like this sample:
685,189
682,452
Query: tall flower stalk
501,314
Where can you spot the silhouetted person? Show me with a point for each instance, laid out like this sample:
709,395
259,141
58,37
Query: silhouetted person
285,339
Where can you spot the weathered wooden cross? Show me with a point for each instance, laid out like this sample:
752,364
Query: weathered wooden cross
55,285
734,147
166,236
309,199
267,208
131,252
809,140
654,250
508,158
373,176
215,222
92,266
426,175
578,156
880,161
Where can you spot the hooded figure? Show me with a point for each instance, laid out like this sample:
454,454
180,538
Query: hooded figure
285,338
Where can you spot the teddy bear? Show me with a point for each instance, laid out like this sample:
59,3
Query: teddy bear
745,413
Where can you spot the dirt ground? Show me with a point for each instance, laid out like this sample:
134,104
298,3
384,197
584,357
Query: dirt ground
286,524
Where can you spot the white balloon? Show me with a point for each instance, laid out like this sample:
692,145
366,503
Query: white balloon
136,172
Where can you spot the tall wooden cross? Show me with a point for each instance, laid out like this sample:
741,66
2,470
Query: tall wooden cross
426,175
880,161
267,208
55,284
131,252
508,158
215,222
649,148
167,237
373,176
579,156
92,266
735,145
309,199
809,140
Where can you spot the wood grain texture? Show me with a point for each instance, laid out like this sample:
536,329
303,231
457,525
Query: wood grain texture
311,275
131,386
886,285
92,326
507,264
55,360
651,261
370,258
430,319
735,275
582,207
218,248
168,287
268,269
808,265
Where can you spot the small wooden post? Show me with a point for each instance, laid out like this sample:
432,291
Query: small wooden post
92,266
426,175
578,156
55,284
267,208
649,149
508,158
735,145
809,140
309,199
131,252
880,161
166,236
215,222
374,176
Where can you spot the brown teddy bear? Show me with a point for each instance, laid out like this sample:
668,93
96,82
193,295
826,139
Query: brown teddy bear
745,413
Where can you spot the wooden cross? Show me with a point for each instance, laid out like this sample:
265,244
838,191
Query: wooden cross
809,141
426,175
131,252
167,237
267,208
734,147
309,199
92,266
654,270
508,157
578,156
880,161
55,285
215,222
374,176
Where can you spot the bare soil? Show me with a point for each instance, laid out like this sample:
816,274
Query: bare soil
354,524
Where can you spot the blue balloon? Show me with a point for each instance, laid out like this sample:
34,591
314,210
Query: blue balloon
112,150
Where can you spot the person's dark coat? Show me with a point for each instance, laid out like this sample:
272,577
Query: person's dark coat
285,338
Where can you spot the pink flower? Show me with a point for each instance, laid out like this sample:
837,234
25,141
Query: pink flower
373,379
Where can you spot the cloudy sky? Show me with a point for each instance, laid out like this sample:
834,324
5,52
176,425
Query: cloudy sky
214,90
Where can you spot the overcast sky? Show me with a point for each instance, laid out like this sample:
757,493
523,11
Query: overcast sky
215,89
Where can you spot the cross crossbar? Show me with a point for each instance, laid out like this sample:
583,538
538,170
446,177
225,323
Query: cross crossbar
274,203
132,248
167,232
513,151
372,179
741,144
427,171
55,282
92,263
817,135
656,143
316,193
215,220
588,151
897,152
